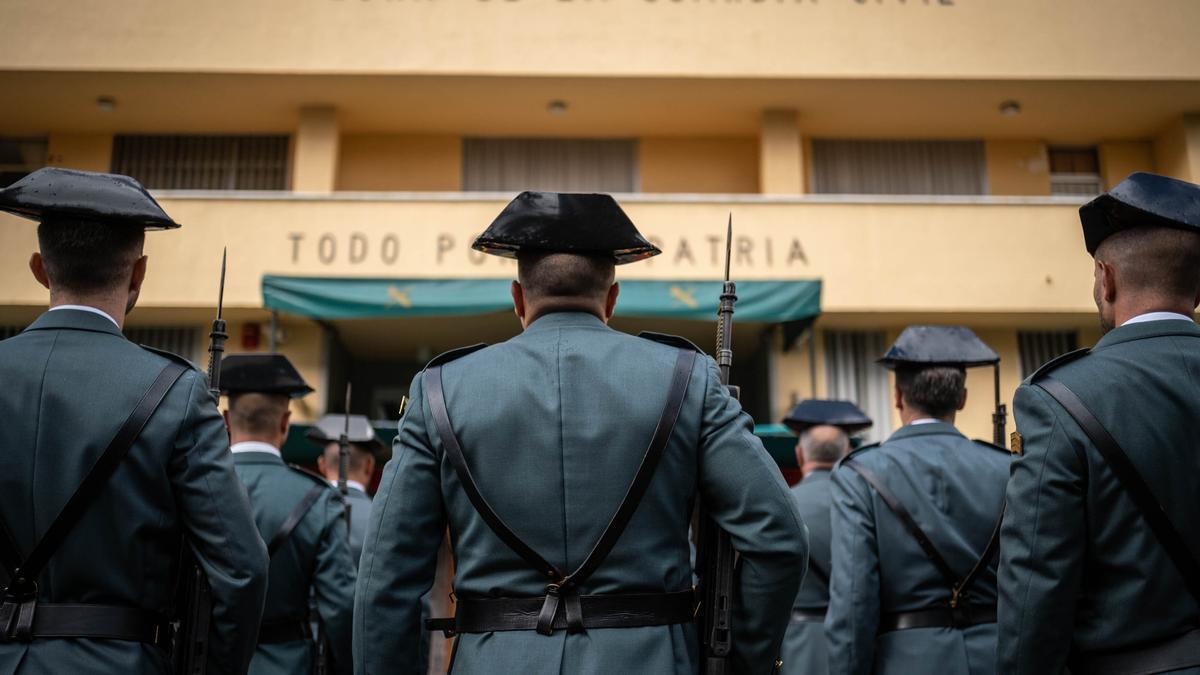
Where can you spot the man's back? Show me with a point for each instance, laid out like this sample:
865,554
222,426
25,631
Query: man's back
69,383
315,555
554,424
954,489
1113,585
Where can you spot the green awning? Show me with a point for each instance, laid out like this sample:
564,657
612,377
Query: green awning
353,298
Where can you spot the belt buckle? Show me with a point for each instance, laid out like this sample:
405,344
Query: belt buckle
17,608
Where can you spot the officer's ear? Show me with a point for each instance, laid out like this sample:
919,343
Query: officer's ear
610,300
518,298
38,266
962,402
1106,281
898,397
284,422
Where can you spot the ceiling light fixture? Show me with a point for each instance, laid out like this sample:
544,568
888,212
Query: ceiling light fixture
1010,108
557,107
106,103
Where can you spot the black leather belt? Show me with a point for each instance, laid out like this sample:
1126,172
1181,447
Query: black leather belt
1173,654
288,630
960,617
485,615
810,615
101,622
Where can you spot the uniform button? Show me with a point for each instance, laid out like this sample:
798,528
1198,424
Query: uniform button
778,664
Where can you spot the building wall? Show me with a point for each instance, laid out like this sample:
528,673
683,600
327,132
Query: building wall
1177,149
87,152
698,165
1017,168
1118,159
397,162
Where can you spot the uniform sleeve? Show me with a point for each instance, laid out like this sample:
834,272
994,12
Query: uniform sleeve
853,618
333,582
219,525
1042,541
743,490
399,558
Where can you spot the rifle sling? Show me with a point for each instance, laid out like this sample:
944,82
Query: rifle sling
294,518
563,587
1127,475
23,577
958,586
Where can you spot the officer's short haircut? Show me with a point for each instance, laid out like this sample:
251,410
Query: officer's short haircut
564,275
82,256
824,445
357,456
935,391
256,414
1164,260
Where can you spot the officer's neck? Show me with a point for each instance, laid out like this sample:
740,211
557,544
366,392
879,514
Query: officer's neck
273,440
114,304
555,306
910,415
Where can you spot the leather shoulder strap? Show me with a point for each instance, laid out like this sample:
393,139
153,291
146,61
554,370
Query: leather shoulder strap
24,577
1127,474
906,519
294,518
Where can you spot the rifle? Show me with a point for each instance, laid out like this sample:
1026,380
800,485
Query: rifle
193,602
1000,417
344,458
715,552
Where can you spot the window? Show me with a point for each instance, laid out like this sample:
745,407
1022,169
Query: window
1075,171
562,165
1038,347
184,341
898,167
851,374
20,156
203,162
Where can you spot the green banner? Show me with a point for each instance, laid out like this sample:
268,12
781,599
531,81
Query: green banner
353,298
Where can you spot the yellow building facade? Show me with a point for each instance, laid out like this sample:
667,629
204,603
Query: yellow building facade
923,160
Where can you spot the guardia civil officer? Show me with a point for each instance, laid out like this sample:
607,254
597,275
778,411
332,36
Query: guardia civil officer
299,514
824,429
114,457
915,523
528,450
365,448
1100,546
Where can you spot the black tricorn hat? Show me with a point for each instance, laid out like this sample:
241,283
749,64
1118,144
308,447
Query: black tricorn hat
330,427
261,374
1141,200
817,412
561,222
921,346
63,194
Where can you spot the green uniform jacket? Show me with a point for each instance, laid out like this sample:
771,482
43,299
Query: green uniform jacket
1080,569
554,424
954,489
315,558
804,651
69,381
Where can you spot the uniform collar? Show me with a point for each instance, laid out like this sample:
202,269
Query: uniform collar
87,308
565,319
71,318
931,429
1158,316
255,446
1128,332
352,484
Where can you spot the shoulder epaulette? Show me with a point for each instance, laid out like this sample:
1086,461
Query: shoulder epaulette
1058,361
309,473
170,355
672,340
991,446
453,354
869,446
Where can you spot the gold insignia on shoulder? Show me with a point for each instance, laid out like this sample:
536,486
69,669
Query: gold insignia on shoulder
1017,443
404,405
778,664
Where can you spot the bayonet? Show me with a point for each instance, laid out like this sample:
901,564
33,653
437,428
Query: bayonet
218,336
